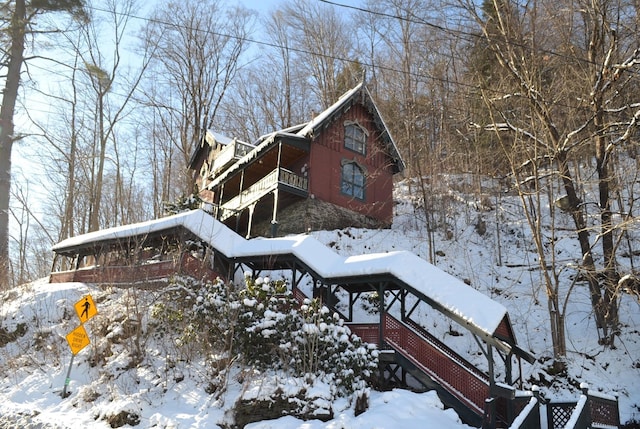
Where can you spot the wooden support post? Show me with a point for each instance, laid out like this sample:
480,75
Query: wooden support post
381,288
251,209
274,217
219,195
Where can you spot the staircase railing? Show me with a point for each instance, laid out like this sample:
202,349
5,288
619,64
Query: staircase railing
593,409
466,385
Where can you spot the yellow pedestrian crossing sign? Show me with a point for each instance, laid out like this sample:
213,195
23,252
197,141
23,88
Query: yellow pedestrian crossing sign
86,308
78,339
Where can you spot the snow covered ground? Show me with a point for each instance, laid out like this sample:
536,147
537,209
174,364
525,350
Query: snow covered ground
164,393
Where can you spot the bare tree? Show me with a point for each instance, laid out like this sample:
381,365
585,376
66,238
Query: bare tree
199,48
272,92
90,112
322,39
17,28
102,71
30,238
566,94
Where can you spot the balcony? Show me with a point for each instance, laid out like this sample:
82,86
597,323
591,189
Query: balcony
279,178
230,154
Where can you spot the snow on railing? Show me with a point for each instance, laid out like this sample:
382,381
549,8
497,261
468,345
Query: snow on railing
232,152
529,416
263,186
593,410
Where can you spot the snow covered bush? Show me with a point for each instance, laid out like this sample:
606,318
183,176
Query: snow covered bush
324,345
267,319
306,340
182,204
266,327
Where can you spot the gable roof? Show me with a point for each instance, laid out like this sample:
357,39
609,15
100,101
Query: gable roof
210,138
358,94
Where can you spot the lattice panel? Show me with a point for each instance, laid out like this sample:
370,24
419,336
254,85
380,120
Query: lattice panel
504,330
559,414
392,331
368,333
299,295
604,411
446,350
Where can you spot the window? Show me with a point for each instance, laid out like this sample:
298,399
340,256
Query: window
352,180
355,137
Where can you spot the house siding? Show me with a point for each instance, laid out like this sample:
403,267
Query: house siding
328,154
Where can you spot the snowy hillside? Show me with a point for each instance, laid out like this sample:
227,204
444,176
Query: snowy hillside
112,387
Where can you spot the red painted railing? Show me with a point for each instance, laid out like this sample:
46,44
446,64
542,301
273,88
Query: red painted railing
435,359
188,264
299,295
459,380
368,332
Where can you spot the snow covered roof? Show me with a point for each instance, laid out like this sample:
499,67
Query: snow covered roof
309,130
457,300
263,144
218,138
210,138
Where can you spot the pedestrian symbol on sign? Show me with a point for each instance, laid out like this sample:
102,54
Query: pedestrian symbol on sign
86,308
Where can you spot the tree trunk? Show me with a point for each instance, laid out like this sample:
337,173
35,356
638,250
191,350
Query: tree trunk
10,94
68,220
607,306
588,264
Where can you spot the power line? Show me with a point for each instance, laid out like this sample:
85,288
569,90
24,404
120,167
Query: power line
421,75
456,32
289,48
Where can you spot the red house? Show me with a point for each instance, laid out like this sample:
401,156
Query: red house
333,171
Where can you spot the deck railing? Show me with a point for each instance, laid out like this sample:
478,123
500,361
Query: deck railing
592,410
259,189
230,153
368,332
529,416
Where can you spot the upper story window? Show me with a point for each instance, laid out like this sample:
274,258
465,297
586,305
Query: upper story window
355,137
352,182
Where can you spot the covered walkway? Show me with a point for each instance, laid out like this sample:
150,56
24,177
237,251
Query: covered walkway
402,282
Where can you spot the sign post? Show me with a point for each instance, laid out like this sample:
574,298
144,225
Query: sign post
78,339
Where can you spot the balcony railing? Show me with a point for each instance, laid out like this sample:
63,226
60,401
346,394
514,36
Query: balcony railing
229,154
262,187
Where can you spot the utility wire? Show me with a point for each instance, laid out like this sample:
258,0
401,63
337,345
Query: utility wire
455,32
419,75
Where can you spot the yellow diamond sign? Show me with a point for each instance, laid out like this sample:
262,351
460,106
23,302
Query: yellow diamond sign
78,339
86,308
